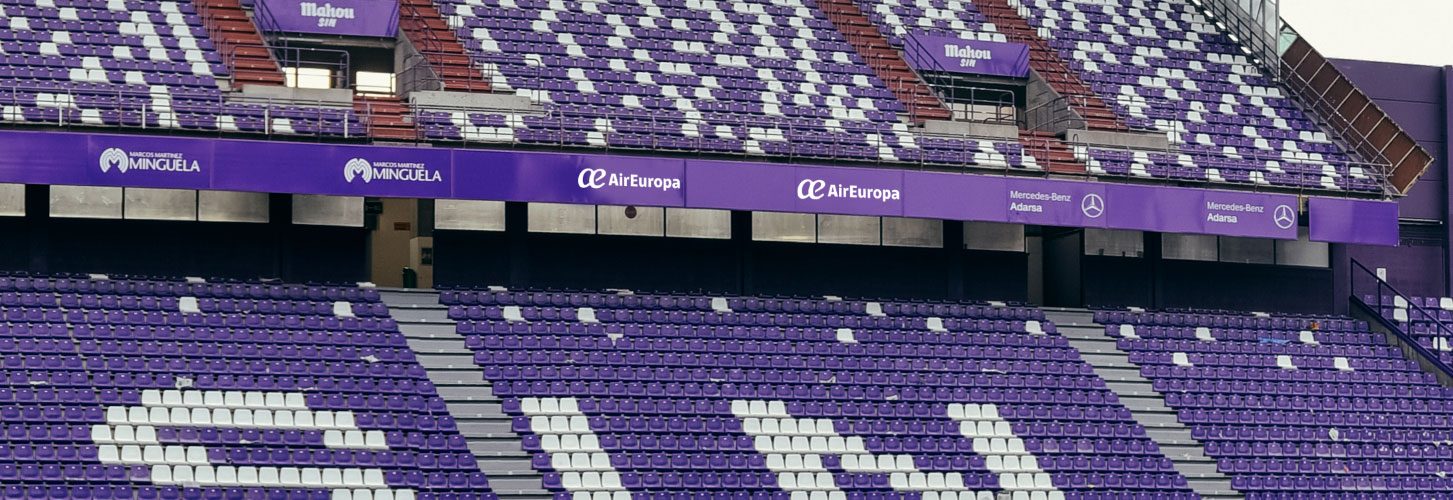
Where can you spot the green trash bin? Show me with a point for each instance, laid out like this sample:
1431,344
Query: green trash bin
411,278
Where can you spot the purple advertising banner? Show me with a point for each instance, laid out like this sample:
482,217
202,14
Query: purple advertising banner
1057,203
849,191
107,160
336,170
1149,208
740,186
567,178
373,18
1353,221
955,197
785,188
945,53
60,158
1231,213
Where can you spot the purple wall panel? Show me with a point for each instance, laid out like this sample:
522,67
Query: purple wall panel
1393,81
1407,267
1417,98
976,198
1352,221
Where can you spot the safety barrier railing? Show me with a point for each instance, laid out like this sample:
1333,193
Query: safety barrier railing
607,122
1418,329
1252,23
283,55
764,131
1057,114
141,110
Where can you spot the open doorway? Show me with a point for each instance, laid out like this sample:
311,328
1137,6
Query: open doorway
401,247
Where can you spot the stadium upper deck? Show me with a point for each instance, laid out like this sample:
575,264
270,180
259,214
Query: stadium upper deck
769,78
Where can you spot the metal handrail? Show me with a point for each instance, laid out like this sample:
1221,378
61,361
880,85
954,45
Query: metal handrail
1004,102
225,48
1056,114
1260,42
587,121
1330,116
582,121
138,111
431,48
1409,338
143,110
288,56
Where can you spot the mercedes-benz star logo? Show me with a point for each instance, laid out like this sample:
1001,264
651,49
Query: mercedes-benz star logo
1092,205
1284,217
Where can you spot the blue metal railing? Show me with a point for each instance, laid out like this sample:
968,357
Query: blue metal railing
1377,298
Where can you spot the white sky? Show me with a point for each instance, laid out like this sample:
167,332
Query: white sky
1403,31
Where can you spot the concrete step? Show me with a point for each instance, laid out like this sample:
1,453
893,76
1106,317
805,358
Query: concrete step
421,314
399,297
477,412
1145,404
430,331
435,346
458,377
447,361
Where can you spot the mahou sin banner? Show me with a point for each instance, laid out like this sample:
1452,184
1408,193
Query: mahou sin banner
371,18
927,52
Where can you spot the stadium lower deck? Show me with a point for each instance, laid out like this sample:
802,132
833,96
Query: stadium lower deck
130,388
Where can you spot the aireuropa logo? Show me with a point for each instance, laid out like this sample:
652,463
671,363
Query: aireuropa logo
123,161
818,189
811,189
368,171
599,178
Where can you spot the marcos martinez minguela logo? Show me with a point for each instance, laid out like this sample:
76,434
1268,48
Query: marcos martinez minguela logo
365,171
122,161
